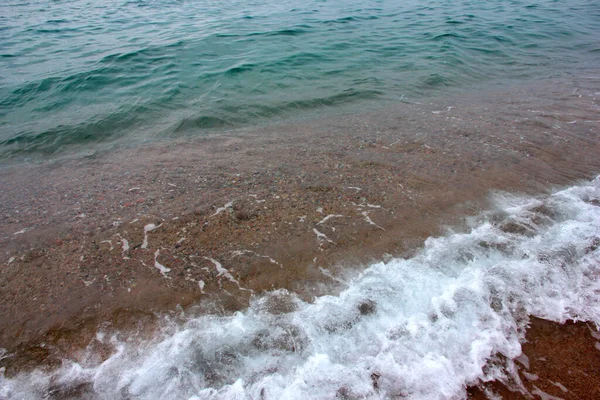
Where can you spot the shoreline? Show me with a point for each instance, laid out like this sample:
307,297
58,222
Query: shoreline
279,126
286,206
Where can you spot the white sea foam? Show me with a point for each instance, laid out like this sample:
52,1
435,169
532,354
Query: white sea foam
163,270
124,244
148,228
422,328
369,220
224,208
321,237
327,218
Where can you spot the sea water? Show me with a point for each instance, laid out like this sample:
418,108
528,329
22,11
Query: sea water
82,72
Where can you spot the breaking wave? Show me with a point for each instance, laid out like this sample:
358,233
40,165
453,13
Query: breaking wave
423,328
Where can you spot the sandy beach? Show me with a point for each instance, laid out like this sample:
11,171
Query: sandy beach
117,239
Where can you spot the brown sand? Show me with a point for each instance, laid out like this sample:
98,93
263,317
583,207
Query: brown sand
560,360
256,202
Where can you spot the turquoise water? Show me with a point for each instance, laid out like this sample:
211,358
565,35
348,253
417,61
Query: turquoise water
87,71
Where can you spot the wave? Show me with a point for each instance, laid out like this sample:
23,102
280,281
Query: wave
231,116
348,19
95,130
302,29
118,70
422,328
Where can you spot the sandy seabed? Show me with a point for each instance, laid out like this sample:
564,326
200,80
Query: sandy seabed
115,238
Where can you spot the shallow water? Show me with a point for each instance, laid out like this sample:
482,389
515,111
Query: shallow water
422,328
79,72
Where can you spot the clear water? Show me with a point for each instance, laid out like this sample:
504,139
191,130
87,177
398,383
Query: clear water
422,328
86,71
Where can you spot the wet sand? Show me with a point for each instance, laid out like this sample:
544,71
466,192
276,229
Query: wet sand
558,361
112,238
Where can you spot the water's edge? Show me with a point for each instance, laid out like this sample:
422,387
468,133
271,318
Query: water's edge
450,309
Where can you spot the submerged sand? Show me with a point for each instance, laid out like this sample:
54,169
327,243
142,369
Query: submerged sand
114,237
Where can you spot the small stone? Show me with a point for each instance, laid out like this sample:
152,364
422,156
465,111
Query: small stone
387,257
242,215
366,307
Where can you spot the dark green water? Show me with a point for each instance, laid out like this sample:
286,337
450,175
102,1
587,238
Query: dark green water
80,72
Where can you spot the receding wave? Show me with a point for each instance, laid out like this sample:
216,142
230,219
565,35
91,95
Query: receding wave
420,328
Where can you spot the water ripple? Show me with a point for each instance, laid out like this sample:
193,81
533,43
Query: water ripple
80,71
